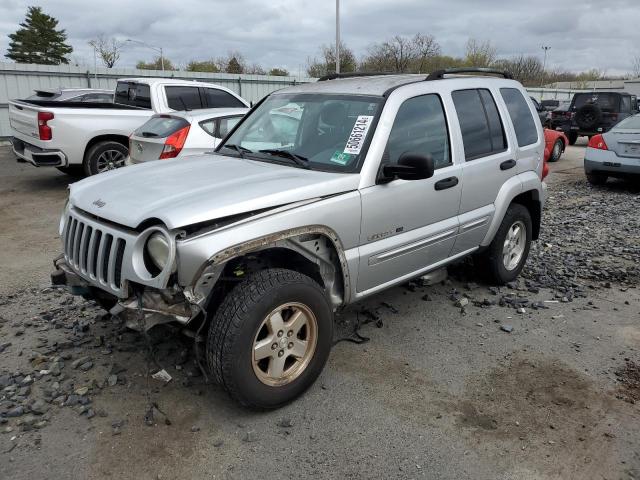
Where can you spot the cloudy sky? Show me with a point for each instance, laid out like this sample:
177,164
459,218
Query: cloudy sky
582,34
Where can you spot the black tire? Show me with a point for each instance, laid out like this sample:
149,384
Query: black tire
103,299
573,138
556,151
75,171
94,153
492,258
237,322
588,117
597,178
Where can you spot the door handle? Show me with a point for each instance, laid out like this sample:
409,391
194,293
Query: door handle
446,183
507,164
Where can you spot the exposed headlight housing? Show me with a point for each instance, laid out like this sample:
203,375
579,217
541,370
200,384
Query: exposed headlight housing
157,252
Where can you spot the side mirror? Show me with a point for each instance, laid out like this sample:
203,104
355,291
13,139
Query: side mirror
410,166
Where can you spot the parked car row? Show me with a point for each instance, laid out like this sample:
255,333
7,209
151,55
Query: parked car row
89,137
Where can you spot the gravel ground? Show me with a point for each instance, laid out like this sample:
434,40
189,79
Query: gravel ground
536,380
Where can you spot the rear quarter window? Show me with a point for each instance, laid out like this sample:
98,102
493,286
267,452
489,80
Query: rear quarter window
521,116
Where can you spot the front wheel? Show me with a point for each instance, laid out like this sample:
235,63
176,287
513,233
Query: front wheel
270,338
508,252
556,153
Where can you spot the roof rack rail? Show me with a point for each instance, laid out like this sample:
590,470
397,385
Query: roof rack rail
439,74
336,76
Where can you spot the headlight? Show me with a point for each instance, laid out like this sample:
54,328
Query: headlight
158,250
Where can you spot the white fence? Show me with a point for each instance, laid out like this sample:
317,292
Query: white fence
552,93
20,80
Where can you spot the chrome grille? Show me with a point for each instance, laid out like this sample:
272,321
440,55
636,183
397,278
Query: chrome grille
94,253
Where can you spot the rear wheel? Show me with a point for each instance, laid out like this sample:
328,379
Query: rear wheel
556,153
105,156
270,338
573,138
508,252
597,178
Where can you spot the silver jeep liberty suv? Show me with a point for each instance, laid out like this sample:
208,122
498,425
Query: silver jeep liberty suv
324,194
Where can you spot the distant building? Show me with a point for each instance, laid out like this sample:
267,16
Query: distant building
628,86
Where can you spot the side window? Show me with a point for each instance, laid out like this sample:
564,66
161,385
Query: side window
521,117
480,124
421,127
219,98
183,98
209,126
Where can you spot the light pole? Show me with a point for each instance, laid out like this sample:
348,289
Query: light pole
544,63
337,36
157,49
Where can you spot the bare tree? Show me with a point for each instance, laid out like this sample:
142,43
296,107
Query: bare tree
108,49
401,54
480,53
526,69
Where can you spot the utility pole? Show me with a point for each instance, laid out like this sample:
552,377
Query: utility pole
337,36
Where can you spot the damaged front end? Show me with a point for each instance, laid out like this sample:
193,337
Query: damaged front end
143,309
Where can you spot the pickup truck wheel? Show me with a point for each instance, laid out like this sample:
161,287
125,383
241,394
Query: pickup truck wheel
573,138
556,153
596,178
270,338
508,252
104,156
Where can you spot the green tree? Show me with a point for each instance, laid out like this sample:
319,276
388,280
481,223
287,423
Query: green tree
327,63
38,41
156,64
279,72
235,65
210,66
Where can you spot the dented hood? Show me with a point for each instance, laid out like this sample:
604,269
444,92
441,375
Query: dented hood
189,190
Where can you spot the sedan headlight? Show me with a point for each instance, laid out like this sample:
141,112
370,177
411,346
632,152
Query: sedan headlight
158,251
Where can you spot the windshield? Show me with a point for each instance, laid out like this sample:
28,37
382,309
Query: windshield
317,131
630,123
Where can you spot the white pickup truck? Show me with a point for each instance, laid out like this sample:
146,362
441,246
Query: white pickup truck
89,138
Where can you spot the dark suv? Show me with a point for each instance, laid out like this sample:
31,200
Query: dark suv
597,112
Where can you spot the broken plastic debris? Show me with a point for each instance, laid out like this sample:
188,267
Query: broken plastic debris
162,375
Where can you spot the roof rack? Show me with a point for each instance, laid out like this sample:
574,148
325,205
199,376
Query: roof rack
439,74
336,76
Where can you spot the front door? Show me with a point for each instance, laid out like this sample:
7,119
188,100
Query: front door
410,225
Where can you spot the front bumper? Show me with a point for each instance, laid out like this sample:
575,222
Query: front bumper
142,310
37,156
606,161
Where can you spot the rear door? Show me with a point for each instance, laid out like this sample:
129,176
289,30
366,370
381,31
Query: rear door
410,225
489,163
181,97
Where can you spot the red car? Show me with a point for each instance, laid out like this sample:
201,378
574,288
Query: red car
554,144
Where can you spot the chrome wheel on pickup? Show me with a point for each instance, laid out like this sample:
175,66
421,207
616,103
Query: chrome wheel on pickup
104,156
270,337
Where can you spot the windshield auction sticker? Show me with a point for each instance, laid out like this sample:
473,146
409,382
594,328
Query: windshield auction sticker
358,134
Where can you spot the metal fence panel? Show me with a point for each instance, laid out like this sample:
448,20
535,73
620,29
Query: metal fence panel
20,80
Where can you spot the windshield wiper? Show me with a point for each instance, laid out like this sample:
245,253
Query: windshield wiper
241,150
297,159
